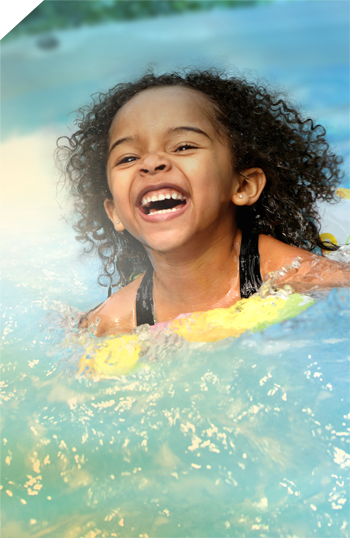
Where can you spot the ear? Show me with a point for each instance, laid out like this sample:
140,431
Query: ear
251,185
112,215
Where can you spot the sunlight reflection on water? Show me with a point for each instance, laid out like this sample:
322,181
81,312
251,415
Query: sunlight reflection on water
233,438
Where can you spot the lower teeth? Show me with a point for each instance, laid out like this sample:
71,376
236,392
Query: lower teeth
154,211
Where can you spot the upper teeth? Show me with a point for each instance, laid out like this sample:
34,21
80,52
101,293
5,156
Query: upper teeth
159,197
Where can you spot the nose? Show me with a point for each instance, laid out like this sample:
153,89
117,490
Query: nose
154,163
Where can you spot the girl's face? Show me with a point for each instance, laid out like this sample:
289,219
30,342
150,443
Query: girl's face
169,170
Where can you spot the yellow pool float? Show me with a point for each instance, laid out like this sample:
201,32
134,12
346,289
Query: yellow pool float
113,356
255,313
328,238
119,355
343,193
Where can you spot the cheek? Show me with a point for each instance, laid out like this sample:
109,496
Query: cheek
118,205
117,187
201,173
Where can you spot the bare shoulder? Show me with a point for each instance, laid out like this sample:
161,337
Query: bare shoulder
313,271
274,254
117,314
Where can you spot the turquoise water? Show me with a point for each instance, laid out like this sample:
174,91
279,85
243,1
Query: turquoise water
240,438
243,437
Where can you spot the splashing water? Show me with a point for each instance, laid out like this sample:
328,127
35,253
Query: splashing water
242,437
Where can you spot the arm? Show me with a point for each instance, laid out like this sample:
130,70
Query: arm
117,314
301,269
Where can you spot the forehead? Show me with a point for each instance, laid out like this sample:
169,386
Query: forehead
164,105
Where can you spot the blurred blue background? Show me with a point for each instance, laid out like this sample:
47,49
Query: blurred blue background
303,46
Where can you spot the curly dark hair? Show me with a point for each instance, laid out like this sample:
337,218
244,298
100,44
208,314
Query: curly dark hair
263,130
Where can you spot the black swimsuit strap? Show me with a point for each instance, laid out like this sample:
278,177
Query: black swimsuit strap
249,265
144,300
249,274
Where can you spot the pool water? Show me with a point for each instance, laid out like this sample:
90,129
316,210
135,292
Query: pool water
242,437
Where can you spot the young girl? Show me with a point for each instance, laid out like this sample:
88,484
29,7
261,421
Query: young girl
204,184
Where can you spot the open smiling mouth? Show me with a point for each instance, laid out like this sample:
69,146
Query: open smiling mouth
162,203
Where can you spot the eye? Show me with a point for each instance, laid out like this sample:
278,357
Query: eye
126,159
184,147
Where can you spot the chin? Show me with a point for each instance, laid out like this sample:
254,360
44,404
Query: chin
164,244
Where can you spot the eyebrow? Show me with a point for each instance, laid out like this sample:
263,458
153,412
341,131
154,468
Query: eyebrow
186,128
171,130
121,141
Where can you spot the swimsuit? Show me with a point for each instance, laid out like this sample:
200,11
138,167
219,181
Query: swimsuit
249,276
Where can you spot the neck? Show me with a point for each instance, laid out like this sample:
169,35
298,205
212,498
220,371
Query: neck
197,278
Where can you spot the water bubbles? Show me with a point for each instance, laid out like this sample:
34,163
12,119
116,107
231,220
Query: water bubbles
296,263
94,326
342,255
